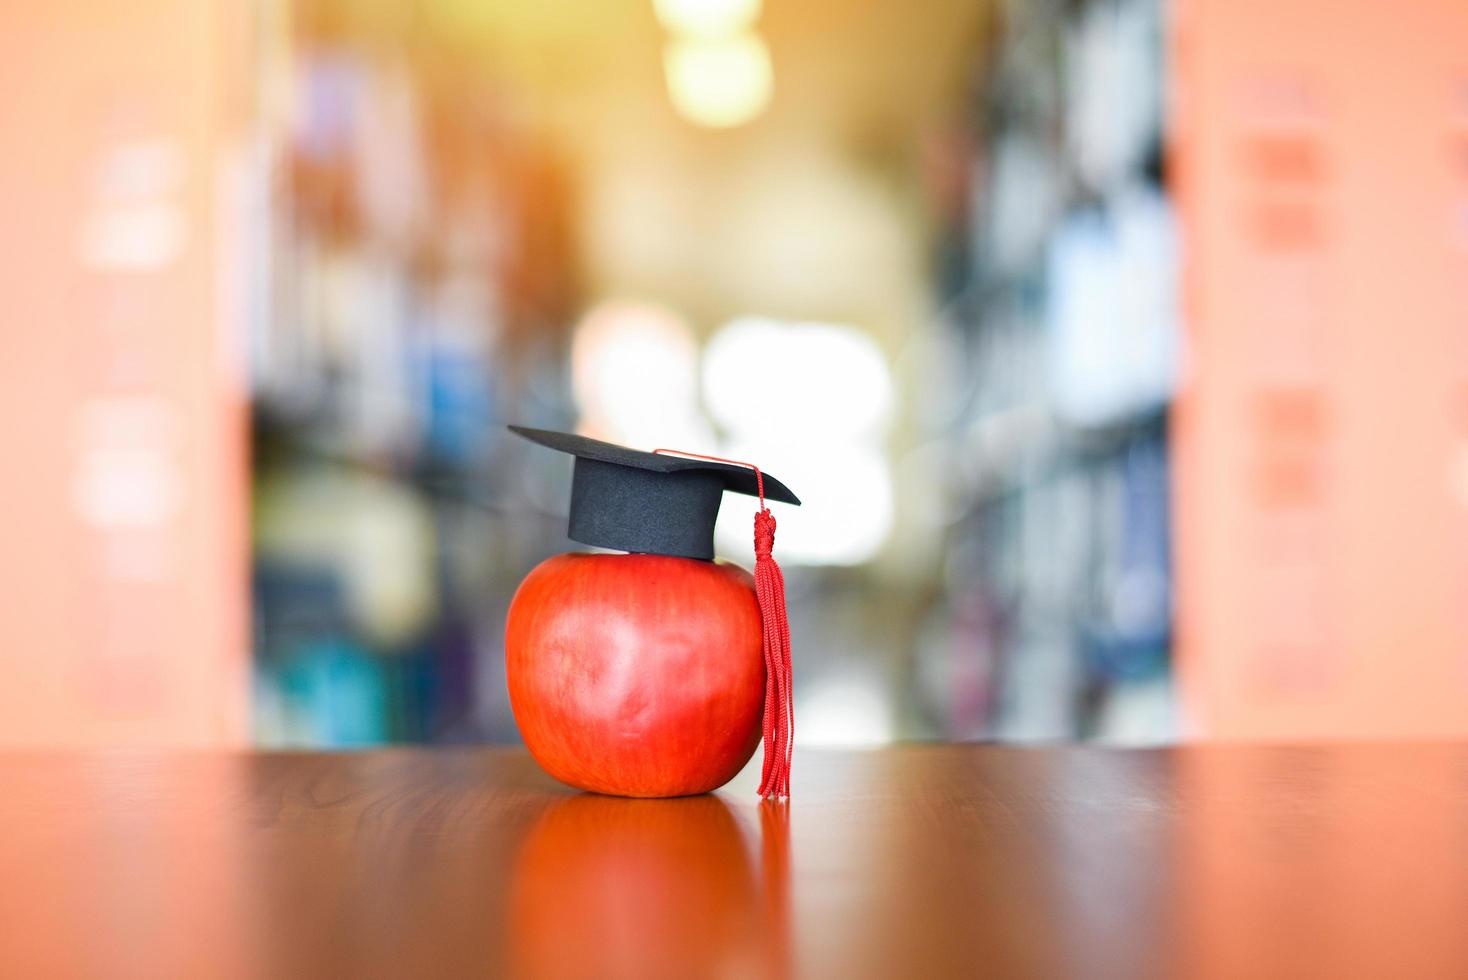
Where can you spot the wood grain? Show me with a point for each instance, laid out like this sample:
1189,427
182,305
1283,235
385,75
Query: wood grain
910,862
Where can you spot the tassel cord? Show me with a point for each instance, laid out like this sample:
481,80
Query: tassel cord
779,721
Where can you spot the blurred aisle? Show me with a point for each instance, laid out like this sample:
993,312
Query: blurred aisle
919,278
1117,357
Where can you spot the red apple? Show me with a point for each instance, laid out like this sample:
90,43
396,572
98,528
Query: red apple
637,675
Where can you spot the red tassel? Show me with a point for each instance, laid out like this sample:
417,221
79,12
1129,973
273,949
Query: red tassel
769,587
769,590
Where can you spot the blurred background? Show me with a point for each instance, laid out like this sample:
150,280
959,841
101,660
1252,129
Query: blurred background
1118,349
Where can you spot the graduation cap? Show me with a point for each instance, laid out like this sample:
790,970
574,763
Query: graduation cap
655,503
665,503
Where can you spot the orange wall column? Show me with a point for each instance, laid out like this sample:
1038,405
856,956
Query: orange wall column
1320,150
123,583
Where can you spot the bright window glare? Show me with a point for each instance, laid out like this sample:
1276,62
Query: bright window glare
846,503
844,713
635,373
719,82
825,381
811,401
706,18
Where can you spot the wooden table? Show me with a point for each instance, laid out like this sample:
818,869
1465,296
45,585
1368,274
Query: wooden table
913,862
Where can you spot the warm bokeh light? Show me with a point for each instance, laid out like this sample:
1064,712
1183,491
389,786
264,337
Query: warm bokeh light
706,18
719,82
634,368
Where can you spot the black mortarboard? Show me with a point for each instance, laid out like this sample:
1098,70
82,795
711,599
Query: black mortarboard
652,503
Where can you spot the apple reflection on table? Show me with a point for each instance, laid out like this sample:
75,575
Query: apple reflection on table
611,887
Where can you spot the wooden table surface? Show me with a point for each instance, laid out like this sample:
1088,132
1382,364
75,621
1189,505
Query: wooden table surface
914,862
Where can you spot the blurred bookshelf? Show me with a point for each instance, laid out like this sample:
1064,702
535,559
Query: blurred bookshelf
1057,276
419,278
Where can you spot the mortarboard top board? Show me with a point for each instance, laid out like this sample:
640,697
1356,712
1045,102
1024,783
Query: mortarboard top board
652,503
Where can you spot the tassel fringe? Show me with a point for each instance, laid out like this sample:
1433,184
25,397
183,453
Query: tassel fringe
779,723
